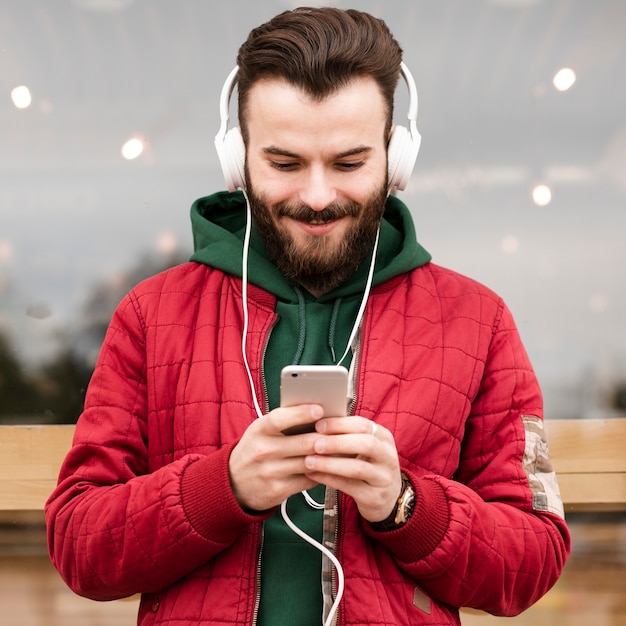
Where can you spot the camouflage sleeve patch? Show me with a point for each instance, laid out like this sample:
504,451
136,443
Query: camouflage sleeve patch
539,470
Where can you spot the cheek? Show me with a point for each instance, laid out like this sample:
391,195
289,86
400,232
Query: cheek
269,184
367,191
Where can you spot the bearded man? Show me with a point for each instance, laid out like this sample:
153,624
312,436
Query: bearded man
434,492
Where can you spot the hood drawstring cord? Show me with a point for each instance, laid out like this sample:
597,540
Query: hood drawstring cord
302,329
333,327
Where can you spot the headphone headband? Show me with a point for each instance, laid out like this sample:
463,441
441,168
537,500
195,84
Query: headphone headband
227,91
402,150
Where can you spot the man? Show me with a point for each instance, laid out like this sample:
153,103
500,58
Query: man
435,492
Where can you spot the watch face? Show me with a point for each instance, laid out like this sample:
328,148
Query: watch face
404,508
408,509
406,503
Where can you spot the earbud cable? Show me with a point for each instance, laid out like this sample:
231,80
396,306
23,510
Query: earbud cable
244,296
259,412
324,550
366,293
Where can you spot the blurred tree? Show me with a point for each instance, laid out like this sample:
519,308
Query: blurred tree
63,382
54,392
19,395
618,401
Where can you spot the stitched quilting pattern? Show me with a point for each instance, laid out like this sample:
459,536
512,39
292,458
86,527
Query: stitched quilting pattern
441,365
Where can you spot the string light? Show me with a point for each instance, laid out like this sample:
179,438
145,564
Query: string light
542,195
21,97
564,79
133,148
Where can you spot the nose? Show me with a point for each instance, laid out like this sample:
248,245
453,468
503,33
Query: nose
318,189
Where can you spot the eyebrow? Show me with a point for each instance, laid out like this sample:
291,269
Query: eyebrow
276,151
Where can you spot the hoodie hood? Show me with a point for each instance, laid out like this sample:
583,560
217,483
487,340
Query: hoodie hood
218,225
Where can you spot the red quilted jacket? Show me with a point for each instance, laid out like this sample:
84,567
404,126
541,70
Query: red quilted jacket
144,504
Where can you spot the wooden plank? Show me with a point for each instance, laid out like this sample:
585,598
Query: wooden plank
589,457
593,492
36,451
25,495
591,445
30,458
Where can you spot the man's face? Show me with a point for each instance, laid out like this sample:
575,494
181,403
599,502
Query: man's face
316,175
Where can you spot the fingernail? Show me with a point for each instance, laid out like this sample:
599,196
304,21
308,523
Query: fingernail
317,411
320,446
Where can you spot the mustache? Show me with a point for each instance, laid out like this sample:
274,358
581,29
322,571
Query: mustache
304,213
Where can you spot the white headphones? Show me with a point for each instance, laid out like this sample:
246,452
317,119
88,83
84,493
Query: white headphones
401,151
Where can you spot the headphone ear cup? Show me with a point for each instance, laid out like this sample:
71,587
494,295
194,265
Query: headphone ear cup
232,155
401,156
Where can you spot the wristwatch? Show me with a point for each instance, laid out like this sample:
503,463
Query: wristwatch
403,510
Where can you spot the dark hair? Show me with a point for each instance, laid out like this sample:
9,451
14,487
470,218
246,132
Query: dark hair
319,50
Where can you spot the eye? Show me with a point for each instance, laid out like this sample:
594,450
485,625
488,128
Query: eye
282,166
350,165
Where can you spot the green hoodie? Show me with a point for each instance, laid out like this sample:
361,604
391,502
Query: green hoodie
309,330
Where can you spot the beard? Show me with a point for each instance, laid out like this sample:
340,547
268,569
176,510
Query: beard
318,264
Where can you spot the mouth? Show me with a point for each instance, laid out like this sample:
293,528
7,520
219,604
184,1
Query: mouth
303,219
317,227
319,222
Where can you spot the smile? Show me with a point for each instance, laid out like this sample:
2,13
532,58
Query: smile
316,227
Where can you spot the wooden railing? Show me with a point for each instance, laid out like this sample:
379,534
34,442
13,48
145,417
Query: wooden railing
589,457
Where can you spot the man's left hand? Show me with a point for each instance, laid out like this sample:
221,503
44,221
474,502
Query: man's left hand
358,457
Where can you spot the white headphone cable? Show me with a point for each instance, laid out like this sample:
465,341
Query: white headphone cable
244,296
309,499
366,293
334,560
355,329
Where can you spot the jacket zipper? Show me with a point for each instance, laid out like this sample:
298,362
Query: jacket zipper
266,402
266,398
334,574
257,599
355,368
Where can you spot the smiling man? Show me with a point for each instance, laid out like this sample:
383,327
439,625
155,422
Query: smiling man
316,177
434,492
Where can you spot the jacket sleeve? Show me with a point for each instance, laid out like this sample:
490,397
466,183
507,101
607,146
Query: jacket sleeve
114,527
494,536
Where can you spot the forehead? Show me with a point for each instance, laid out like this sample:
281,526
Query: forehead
274,105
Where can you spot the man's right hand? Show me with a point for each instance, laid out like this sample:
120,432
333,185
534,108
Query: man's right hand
266,466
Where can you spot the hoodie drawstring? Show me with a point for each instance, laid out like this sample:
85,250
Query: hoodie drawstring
333,327
302,329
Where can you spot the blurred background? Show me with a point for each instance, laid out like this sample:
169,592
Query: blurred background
108,109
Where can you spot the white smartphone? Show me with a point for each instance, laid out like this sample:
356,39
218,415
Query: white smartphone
326,385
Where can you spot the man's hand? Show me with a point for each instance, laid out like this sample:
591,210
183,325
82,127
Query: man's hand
359,459
267,466
347,453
